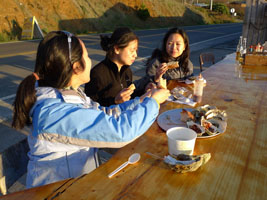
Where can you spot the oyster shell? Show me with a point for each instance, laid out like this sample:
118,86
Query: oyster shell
210,129
206,108
216,113
213,120
197,114
186,163
219,124
196,127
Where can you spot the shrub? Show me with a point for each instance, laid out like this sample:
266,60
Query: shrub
221,8
4,37
143,12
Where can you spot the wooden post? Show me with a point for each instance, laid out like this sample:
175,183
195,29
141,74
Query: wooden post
211,2
3,189
254,25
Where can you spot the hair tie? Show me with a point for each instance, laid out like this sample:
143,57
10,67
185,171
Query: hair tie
36,76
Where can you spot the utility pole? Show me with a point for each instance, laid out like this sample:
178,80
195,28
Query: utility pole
211,4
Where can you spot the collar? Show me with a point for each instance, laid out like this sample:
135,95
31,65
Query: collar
174,59
71,95
114,67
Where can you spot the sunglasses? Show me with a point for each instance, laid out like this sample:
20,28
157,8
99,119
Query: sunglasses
69,35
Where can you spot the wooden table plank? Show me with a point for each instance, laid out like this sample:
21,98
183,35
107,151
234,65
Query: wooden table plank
43,192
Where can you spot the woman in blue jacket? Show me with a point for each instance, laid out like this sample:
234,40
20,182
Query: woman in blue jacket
67,127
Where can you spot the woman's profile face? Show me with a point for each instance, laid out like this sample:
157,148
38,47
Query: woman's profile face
85,75
175,45
127,55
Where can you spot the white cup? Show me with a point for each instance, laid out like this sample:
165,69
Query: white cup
181,140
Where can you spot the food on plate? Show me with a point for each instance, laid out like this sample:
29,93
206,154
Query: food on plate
216,113
186,116
210,129
173,64
196,127
180,93
179,90
131,87
206,124
205,120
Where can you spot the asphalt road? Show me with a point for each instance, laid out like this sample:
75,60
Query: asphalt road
17,58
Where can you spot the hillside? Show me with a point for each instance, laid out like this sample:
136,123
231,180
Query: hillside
83,16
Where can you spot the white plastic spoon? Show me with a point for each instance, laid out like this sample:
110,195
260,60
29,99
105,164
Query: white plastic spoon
132,159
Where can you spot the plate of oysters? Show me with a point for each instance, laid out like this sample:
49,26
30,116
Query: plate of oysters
207,121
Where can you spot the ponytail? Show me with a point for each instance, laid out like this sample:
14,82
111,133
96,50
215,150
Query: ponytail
25,99
105,42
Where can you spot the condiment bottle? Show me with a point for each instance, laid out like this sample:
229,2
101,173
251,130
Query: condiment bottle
238,48
244,43
250,49
198,89
243,51
258,47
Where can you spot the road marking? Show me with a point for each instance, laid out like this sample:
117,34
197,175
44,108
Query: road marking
141,58
18,54
7,97
215,38
205,31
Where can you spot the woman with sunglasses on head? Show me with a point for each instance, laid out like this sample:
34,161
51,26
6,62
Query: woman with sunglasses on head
111,78
67,127
172,60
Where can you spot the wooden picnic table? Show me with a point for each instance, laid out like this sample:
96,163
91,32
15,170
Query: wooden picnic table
237,168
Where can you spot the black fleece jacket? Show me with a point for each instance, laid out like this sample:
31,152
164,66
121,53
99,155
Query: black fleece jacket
106,82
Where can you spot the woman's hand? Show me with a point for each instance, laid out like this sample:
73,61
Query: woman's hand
160,71
124,95
162,84
150,86
160,95
147,94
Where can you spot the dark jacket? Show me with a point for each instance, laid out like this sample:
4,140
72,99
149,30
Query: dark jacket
106,82
171,74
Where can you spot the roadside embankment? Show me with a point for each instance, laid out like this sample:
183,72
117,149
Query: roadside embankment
82,16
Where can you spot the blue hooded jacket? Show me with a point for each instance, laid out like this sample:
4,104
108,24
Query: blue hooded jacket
68,127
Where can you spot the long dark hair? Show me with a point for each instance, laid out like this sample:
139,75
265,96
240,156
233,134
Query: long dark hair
54,68
164,56
121,37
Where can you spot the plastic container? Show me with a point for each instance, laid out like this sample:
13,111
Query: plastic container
181,140
198,89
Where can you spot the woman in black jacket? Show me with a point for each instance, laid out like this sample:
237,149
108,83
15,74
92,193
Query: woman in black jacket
111,78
